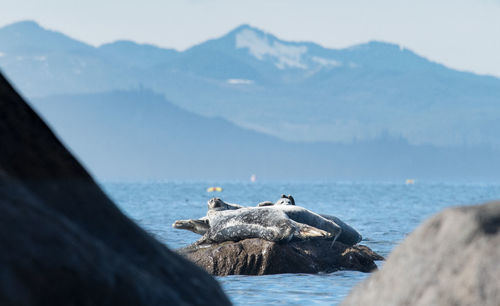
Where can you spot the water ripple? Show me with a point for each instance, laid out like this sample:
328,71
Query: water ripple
384,213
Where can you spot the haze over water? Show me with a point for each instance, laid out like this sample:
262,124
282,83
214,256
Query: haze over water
384,213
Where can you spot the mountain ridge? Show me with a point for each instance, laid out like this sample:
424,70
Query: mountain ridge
296,91
138,135
33,25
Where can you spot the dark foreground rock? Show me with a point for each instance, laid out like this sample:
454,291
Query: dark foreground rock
452,259
63,242
260,257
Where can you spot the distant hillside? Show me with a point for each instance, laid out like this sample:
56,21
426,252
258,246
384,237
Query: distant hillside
296,91
140,135
303,92
137,55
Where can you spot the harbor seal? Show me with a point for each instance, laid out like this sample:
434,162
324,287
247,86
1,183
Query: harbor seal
218,204
199,226
256,222
348,236
273,223
284,200
303,215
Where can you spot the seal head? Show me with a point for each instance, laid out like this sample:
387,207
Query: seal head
199,226
216,204
285,200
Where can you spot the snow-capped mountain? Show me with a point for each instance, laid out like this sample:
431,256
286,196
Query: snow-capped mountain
297,91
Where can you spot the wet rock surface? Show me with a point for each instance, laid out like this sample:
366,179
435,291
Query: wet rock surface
64,242
260,257
451,259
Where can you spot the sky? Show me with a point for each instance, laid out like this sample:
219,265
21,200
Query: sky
462,34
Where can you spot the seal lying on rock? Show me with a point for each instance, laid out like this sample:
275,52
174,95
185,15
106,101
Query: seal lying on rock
266,223
218,204
284,200
349,235
274,223
201,226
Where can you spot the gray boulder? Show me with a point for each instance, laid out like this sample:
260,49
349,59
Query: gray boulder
451,259
64,242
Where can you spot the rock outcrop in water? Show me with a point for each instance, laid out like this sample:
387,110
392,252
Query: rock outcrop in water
63,242
260,257
452,259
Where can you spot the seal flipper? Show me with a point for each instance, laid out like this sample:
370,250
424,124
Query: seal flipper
336,236
339,231
265,203
307,232
203,240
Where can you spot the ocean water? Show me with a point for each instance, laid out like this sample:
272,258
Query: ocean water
384,213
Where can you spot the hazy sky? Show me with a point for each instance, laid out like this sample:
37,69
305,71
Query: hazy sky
463,34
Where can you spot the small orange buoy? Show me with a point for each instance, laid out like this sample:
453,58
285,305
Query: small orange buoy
214,189
410,182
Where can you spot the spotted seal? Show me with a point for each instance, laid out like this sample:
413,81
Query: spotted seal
273,223
348,236
201,226
284,200
218,205
257,222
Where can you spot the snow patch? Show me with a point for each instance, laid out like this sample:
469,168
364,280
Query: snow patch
326,62
239,82
260,46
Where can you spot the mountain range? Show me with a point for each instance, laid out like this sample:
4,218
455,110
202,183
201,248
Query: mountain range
140,135
248,102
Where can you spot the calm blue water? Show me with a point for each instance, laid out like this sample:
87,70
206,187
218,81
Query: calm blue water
384,213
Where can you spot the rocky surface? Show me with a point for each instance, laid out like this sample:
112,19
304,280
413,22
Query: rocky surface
451,259
260,257
64,242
